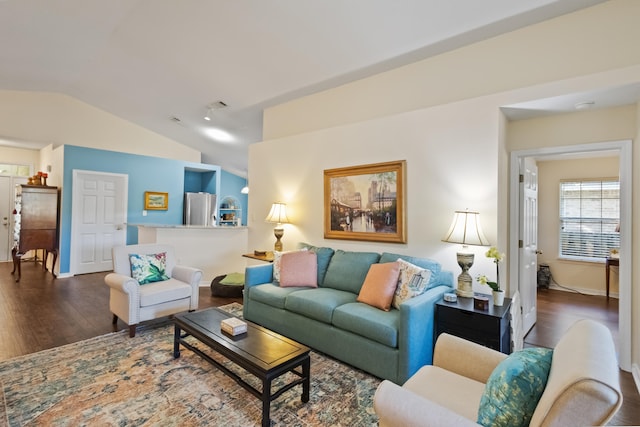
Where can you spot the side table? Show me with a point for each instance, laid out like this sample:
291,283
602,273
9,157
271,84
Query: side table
489,328
267,257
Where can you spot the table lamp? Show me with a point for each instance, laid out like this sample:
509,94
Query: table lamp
465,230
278,215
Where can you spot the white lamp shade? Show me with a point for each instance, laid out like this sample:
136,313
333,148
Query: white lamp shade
278,213
465,229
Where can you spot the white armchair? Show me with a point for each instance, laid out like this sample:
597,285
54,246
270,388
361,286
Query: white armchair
134,303
583,386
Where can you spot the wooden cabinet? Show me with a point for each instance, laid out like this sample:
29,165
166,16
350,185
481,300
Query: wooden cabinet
489,328
36,219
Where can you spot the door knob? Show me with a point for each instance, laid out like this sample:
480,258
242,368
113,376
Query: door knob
538,252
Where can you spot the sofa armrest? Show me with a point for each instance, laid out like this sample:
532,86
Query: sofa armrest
122,283
397,406
192,276
257,275
452,353
416,331
188,275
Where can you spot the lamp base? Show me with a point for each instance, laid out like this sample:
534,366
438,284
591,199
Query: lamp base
465,282
278,232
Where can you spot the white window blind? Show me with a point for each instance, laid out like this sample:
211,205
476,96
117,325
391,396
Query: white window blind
589,218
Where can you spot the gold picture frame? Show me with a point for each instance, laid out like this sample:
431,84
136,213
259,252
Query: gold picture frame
366,202
156,201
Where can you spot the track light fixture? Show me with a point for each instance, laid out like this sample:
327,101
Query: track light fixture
214,106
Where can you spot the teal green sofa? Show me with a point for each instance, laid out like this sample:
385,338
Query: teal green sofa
391,344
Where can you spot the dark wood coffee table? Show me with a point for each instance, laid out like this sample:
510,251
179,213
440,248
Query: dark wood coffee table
262,352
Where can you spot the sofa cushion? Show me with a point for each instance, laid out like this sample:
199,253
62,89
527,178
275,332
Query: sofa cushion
271,294
380,285
429,264
514,388
367,321
167,290
149,268
299,269
317,303
324,256
347,270
412,281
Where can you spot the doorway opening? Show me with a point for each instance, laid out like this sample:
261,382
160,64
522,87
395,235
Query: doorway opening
623,150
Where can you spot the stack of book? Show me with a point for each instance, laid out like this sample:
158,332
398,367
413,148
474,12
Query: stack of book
233,326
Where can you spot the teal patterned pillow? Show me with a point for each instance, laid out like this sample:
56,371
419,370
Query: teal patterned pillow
149,268
514,388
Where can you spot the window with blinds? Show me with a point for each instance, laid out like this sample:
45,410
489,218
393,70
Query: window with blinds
589,218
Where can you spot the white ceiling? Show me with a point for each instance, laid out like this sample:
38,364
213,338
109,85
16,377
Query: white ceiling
159,63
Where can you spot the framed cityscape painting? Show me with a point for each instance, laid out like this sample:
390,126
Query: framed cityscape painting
365,202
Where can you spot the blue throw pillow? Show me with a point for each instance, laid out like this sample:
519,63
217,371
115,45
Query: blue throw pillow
514,388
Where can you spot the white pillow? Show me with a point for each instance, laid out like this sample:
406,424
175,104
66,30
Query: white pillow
412,282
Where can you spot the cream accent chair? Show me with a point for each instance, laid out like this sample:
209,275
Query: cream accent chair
134,303
583,387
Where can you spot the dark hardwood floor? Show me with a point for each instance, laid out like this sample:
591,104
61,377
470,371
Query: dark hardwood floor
41,312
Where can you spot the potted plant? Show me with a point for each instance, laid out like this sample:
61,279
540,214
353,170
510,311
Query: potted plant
498,293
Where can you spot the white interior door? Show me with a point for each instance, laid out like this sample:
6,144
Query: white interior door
528,242
6,209
99,215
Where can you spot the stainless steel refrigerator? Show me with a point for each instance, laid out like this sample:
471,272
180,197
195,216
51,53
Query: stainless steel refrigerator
200,209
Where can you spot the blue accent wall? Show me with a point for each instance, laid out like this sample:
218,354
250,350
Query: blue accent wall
145,173
231,185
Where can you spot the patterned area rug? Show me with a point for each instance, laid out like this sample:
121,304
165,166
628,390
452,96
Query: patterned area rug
120,381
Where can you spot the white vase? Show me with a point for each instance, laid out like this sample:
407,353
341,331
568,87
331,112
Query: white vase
498,298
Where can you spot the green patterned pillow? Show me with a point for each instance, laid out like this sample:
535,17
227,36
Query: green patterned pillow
149,268
514,388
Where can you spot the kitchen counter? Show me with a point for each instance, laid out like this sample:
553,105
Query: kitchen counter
206,227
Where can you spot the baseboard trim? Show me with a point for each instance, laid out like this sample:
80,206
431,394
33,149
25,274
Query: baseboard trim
592,292
635,371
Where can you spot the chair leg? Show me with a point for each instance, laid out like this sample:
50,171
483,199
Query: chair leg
115,319
132,331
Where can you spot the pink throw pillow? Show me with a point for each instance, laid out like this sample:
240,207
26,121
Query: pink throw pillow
299,269
380,285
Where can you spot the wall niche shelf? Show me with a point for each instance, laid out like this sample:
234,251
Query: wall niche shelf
230,212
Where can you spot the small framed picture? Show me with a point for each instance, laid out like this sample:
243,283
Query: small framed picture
156,201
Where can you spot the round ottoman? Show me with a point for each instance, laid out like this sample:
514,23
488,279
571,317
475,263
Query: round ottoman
221,290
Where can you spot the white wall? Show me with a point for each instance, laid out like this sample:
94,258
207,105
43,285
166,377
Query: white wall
442,157
19,156
57,119
588,277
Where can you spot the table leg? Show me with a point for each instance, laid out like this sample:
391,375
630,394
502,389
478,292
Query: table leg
176,342
608,270
266,402
306,373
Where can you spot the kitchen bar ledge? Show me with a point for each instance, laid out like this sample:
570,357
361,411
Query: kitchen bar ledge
214,250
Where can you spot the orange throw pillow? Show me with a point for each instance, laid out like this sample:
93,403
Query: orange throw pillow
380,285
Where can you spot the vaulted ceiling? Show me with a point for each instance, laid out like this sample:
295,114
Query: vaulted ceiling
160,63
